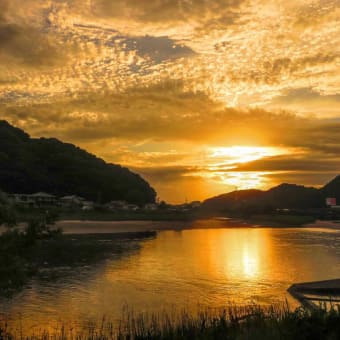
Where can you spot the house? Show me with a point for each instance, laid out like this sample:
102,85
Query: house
87,205
151,207
38,199
133,207
43,199
117,205
195,204
72,201
21,199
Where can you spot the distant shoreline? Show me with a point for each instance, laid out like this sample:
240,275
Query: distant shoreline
84,227
323,224
71,226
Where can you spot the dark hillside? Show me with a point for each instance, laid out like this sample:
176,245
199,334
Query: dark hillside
29,165
294,196
231,200
332,189
283,196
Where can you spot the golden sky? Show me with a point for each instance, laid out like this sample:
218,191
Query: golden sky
198,96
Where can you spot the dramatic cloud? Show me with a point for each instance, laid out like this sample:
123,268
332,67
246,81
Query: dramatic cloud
308,101
286,163
160,112
164,11
159,85
24,40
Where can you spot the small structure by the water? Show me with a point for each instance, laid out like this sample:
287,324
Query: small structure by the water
309,292
72,201
39,199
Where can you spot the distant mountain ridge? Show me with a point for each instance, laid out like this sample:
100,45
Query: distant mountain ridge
283,196
29,165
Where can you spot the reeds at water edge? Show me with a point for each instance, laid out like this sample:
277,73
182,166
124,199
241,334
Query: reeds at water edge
251,322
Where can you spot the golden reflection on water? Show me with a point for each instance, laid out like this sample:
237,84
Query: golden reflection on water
243,253
210,266
183,268
250,263
236,255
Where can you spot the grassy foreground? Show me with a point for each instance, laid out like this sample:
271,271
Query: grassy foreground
248,322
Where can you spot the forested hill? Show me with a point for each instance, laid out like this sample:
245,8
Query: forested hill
285,195
29,165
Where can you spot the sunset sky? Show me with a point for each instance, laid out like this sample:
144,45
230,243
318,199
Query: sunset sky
199,96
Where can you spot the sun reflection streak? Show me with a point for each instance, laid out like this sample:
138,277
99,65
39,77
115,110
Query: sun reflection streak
245,254
240,254
250,263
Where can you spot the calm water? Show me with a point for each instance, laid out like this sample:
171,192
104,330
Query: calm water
181,268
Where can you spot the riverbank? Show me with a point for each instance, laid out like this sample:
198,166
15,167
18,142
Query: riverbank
233,323
140,226
85,227
323,224
165,219
107,215
188,217
280,220
102,227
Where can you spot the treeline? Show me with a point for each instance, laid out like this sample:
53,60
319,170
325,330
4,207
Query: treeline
29,165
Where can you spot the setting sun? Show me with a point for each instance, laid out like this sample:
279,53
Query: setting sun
244,154
245,180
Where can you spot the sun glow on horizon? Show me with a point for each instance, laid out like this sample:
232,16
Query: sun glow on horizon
243,154
245,180
223,163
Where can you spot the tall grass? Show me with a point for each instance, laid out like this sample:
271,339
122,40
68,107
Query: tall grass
247,322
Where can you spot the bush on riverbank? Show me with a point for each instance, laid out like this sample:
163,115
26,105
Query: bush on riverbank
17,248
232,323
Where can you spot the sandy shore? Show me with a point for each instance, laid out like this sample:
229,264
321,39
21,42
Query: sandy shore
88,227
108,227
323,224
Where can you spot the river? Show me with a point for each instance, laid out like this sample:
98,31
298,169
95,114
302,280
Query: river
180,268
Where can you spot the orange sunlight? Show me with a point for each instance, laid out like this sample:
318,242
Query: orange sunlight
244,154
